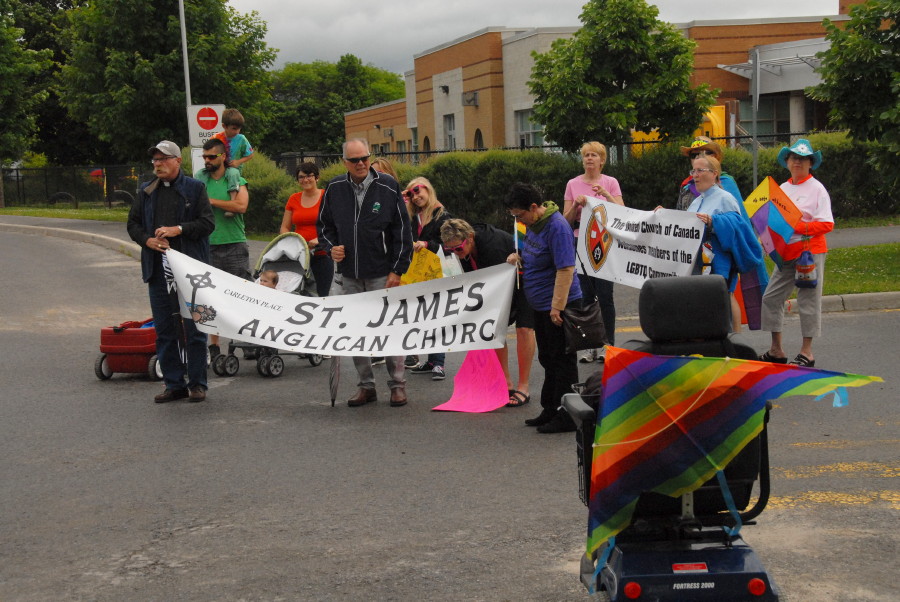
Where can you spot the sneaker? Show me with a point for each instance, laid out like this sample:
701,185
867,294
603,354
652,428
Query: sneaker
601,354
411,361
586,356
423,368
437,373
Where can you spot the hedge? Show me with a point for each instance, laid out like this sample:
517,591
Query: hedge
472,184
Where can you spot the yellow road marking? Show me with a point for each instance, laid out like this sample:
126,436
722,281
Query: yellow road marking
808,499
844,443
849,469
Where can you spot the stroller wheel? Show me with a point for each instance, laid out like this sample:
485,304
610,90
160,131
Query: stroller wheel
218,365
232,364
154,370
275,366
101,367
314,360
262,365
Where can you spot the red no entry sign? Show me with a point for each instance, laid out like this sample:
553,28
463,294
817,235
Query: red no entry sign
203,123
207,118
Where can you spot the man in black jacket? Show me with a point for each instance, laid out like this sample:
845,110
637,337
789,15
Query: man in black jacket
364,226
172,211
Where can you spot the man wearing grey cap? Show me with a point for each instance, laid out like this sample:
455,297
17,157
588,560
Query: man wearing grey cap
172,212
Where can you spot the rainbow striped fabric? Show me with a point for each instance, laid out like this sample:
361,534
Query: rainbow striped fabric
668,424
520,233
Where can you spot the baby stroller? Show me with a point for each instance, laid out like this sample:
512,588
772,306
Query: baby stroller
680,548
289,255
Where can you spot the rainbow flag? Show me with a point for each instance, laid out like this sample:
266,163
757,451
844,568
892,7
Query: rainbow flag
519,234
668,424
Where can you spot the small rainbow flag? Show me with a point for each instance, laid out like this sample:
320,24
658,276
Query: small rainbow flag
668,424
520,234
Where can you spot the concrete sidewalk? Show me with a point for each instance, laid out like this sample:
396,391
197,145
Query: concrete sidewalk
112,235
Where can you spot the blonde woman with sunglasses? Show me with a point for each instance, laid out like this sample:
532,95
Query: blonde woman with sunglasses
426,216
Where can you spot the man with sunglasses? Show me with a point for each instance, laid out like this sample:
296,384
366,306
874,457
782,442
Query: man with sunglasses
172,211
229,198
364,226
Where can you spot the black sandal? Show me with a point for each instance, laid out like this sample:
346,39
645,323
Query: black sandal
802,360
768,357
517,399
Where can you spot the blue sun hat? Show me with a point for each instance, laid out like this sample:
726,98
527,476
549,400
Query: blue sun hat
803,148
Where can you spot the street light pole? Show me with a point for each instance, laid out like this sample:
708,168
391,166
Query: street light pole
184,54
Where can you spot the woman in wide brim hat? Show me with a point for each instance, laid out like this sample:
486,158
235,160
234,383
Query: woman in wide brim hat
814,203
801,148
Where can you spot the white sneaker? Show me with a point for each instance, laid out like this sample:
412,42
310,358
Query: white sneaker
586,356
437,373
601,354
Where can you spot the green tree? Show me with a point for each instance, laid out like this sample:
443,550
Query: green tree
65,141
861,77
124,76
623,69
311,98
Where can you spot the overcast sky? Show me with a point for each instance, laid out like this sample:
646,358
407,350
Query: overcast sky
387,33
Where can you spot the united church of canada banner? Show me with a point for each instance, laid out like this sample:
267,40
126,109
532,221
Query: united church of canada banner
629,246
461,313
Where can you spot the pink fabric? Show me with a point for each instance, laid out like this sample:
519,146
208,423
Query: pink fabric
479,386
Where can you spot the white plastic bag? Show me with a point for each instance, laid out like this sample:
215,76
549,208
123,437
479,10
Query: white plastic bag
450,264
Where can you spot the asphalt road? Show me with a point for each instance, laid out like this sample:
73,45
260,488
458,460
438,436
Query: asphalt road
265,492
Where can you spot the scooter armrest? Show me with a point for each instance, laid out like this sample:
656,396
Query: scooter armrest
577,408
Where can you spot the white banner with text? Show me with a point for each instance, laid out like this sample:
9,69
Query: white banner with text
461,313
629,246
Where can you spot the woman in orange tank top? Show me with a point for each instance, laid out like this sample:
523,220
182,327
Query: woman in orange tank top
300,215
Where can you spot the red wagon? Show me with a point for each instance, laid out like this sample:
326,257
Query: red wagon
129,347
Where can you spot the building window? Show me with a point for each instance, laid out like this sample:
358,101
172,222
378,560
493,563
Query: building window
450,132
528,132
426,144
479,141
772,117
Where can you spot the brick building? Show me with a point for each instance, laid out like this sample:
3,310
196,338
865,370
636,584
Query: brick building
472,92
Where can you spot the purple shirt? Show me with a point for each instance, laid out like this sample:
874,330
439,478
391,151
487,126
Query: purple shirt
543,253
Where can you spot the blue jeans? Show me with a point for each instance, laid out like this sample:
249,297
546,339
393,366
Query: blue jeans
163,306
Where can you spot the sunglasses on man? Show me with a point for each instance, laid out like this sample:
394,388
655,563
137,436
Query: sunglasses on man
211,157
356,160
412,191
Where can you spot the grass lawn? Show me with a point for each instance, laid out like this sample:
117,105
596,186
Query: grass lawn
871,269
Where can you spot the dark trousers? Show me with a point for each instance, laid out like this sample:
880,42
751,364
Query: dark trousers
167,347
322,267
603,291
560,368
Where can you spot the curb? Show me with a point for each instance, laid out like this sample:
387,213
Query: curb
128,248
830,303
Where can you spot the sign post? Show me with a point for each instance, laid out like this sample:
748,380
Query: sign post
204,121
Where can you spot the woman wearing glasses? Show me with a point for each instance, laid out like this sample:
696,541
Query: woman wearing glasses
300,215
735,249
704,147
814,202
426,216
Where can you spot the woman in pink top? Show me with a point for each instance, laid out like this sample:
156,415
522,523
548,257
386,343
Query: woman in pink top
593,183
